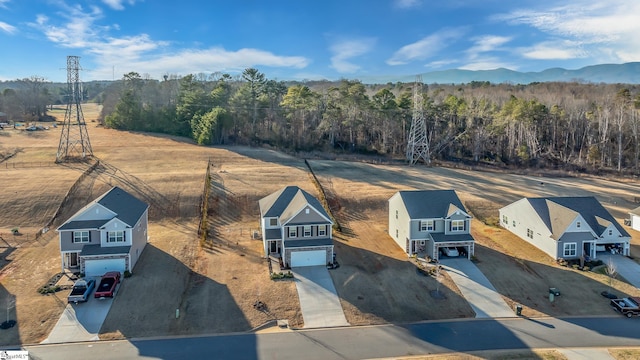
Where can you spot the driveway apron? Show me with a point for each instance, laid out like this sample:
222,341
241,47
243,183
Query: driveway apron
80,322
476,289
319,300
625,267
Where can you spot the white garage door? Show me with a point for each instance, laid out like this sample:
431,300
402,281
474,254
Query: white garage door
99,267
308,258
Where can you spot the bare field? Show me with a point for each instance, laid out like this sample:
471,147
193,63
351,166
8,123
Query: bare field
215,286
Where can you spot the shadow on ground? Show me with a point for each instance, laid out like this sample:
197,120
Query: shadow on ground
184,302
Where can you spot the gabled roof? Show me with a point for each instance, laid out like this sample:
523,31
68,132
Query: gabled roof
126,207
559,212
431,204
287,202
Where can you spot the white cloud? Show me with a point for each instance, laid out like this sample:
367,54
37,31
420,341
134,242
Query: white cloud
7,28
488,64
191,61
117,4
487,43
554,50
344,50
605,30
143,54
425,47
406,4
3,3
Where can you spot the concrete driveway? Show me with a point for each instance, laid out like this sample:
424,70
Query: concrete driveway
319,300
625,267
476,288
80,322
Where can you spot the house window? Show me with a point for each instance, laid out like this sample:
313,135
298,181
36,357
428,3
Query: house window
457,225
505,219
426,225
578,224
273,222
396,233
610,232
293,231
115,236
80,236
396,214
307,230
514,223
530,233
570,249
322,230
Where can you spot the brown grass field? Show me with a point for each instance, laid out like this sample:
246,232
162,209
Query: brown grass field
215,285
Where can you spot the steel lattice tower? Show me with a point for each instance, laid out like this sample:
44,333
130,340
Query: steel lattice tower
418,144
74,138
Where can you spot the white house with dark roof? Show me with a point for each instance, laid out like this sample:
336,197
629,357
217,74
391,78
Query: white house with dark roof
108,234
565,227
423,221
296,228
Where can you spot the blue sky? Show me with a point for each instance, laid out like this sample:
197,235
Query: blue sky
308,39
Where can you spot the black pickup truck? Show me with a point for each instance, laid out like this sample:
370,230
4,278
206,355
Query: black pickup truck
628,306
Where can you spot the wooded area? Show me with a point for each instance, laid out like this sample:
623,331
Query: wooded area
576,126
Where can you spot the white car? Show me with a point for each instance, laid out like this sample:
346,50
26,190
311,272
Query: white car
449,251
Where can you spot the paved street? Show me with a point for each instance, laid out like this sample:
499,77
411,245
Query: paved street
435,337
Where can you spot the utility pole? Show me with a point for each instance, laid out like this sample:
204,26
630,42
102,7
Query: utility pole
418,144
74,138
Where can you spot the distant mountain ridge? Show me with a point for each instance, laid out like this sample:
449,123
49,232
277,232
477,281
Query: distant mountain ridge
627,73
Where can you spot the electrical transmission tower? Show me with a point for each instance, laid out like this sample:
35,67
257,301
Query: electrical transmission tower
74,138
418,144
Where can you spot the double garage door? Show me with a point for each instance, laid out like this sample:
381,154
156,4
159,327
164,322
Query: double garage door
308,258
94,268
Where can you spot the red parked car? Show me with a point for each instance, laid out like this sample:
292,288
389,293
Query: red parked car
107,286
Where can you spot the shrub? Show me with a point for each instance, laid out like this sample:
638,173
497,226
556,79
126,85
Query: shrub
127,274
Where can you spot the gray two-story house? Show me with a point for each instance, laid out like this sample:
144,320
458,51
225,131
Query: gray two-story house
566,227
424,221
108,234
296,228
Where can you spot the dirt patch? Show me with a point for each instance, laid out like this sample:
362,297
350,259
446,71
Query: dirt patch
214,288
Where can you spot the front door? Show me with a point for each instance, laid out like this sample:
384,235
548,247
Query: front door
274,247
72,260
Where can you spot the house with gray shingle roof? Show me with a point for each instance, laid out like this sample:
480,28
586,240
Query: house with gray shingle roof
423,222
566,227
108,234
296,228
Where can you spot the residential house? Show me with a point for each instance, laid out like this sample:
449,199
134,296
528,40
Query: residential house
296,228
634,219
566,227
424,221
108,234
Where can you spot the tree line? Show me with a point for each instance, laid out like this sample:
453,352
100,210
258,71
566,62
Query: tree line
580,126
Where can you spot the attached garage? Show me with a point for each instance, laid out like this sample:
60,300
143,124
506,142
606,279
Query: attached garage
99,267
308,258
